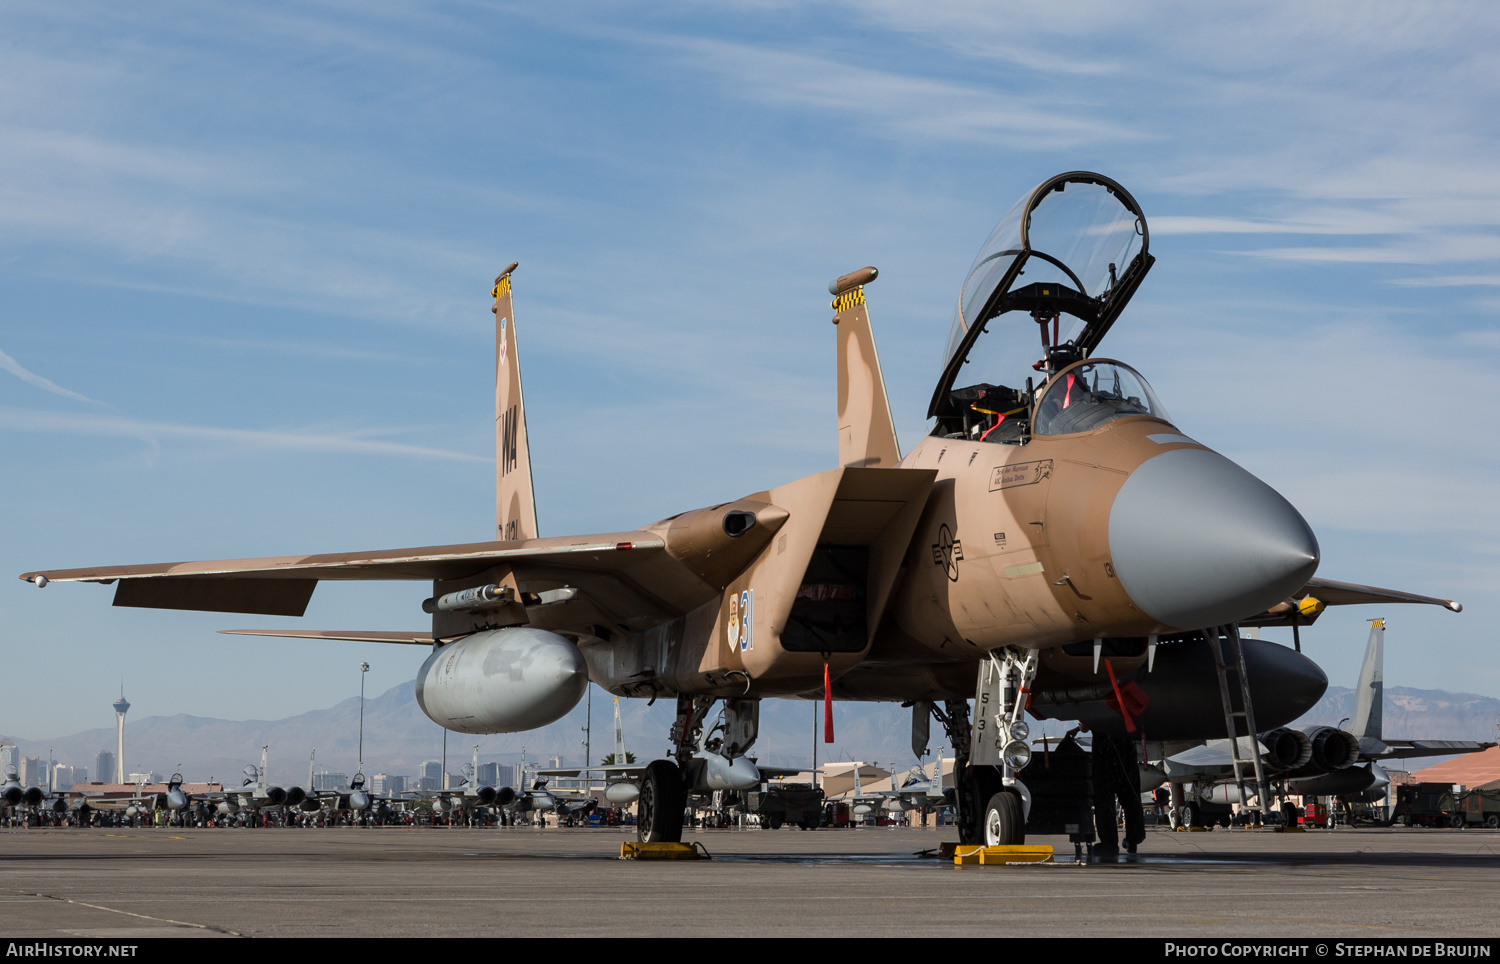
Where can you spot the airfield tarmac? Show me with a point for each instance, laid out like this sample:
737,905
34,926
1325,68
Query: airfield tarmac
440,882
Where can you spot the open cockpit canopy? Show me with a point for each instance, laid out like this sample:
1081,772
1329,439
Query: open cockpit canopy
1052,277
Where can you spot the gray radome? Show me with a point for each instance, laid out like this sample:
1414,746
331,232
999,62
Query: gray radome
1197,541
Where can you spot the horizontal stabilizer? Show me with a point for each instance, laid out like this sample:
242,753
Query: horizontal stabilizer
418,638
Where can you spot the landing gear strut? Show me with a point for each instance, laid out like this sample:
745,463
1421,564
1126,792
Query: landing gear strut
992,751
1001,746
708,758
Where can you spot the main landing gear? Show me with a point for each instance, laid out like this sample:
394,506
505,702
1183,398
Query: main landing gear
707,759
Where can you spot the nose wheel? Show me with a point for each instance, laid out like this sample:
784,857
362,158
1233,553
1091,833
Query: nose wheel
1002,823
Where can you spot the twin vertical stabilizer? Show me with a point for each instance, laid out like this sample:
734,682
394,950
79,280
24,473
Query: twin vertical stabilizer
867,434
515,499
1369,692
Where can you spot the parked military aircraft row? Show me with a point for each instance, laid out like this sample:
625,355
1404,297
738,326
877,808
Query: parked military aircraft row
1055,543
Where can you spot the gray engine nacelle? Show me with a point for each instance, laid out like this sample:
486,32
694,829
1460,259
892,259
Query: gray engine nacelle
502,681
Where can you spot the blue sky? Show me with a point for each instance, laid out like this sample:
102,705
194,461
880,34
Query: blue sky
245,257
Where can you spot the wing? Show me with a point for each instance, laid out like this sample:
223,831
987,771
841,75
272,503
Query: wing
621,573
617,581
1306,604
629,769
414,638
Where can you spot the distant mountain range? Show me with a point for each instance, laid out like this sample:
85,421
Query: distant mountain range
398,737
1417,714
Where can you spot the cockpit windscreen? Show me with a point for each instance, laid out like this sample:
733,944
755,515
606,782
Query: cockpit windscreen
1089,394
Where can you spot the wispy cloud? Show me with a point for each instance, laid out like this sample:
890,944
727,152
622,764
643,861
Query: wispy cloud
1450,281
358,442
32,378
1446,249
892,103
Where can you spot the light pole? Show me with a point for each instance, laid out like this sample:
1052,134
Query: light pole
363,669
588,737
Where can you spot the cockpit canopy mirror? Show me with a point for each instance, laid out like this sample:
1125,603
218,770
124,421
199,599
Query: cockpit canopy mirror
1062,264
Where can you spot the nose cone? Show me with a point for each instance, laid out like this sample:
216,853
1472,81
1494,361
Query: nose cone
1197,541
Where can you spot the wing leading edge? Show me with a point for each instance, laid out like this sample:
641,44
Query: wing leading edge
283,585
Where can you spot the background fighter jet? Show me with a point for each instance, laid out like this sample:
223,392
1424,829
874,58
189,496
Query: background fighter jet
1037,547
469,796
254,793
1321,760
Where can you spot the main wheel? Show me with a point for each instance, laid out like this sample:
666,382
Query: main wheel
1190,815
1003,824
659,807
974,792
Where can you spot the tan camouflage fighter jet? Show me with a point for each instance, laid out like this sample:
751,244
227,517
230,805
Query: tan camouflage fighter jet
1029,554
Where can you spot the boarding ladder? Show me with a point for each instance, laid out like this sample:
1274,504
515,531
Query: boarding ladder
1229,657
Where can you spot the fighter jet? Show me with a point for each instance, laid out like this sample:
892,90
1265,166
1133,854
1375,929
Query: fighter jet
621,777
1319,760
469,796
13,794
356,799
254,793
1034,548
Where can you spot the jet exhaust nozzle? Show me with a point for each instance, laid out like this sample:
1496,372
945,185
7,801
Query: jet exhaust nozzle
1333,749
1286,748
